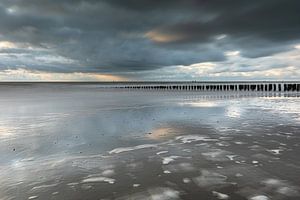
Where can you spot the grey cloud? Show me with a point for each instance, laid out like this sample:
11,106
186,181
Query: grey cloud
110,36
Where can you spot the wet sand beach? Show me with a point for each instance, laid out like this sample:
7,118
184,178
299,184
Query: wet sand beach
85,142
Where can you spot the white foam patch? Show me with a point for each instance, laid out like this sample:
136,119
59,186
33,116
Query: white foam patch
126,149
275,151
282,187
239,175
223,144
231,157
161,152
216,155
72,184
108,172
272,182
255,147
169,159
164,194
158,193
193,138
42,187
225,138
259,197
288,191
187,150
33,197
28,159
208,178
212,154
186,180
220,195
180,167
98,179
239,143
86,162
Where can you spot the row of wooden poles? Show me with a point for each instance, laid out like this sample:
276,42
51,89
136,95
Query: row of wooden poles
218,87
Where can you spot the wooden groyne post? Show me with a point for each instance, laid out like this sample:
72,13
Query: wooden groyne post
262,86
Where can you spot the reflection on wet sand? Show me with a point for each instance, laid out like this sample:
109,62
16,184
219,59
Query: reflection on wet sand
162,133
101,144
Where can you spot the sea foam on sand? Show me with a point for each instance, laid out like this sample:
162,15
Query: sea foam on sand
208,178
220,195
194,138
157,193
98,179
259,197
169,159
125,149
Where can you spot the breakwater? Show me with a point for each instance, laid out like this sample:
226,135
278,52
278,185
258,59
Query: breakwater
276,86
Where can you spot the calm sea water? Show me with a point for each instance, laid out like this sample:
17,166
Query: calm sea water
84,142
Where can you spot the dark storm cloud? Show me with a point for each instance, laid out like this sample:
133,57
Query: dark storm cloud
115,36
256,28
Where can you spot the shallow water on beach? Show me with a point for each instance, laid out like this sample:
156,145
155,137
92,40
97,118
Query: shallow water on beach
84,142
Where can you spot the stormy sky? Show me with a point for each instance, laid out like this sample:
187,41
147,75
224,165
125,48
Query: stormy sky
149,39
